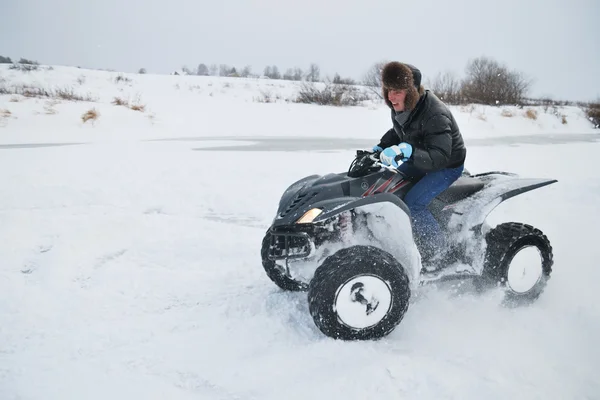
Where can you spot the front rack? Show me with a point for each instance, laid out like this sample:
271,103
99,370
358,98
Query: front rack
289,245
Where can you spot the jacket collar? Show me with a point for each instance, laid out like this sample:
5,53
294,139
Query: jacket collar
404,120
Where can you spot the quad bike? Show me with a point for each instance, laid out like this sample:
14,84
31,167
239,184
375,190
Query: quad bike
346,238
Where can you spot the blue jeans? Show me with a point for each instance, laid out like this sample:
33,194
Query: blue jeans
426,229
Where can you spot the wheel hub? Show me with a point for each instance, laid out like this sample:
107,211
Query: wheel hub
525,269
357,294
363,301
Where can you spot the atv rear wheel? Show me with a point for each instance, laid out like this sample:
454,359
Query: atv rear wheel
358,293
519,258
276,273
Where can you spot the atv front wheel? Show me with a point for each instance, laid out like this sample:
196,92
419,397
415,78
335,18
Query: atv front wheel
358,293
519,258
276,273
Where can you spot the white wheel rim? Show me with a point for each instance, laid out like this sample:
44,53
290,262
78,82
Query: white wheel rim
525,270
363,301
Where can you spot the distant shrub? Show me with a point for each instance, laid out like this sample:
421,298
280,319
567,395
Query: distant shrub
593,113
337,79
314,73
272,72
92,115
65,93
69,94
489,82
372,78
135,106
28,62
122,78
24,67
447,87
119,101
531,114
5,60
507,113
138,107
267,97
330,94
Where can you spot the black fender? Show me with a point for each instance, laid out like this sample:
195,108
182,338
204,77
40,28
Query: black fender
470,214
337,206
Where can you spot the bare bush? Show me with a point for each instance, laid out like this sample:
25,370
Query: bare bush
288,75
330,94
593,113
138,107
314,73
134,105
119,101
447,87
298,74
32,91
507,113
372,78
29,62
531,114
69,94
92,115
337,79
66,93
489,82
122,78
24,67
202,70
267,96
272,72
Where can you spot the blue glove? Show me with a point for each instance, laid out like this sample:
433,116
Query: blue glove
376,149
403,151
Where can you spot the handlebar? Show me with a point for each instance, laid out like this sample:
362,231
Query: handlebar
378,163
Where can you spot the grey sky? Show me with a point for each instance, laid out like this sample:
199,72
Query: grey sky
556,42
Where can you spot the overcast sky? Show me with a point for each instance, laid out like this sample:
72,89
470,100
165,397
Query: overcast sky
557,43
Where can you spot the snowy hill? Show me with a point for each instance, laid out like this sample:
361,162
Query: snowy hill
192,106
130,268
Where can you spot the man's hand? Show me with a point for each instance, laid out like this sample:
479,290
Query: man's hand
391,155
376,149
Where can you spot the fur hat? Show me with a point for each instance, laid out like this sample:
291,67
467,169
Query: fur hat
398,76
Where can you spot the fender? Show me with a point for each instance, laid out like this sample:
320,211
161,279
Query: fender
470,214
390,227
338,206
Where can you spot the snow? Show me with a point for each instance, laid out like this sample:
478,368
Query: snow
131,267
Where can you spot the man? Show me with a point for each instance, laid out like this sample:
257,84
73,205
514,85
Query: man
426,138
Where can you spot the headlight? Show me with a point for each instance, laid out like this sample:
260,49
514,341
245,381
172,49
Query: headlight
309,216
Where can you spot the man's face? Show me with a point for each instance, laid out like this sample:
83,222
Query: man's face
396,97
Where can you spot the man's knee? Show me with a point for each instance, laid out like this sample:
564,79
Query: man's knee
415,204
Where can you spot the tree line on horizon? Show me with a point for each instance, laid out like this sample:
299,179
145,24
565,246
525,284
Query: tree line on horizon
485,81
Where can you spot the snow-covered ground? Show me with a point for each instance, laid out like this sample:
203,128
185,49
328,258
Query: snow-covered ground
130,268
196,106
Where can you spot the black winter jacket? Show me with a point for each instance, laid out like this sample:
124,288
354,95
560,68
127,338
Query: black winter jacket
433,133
